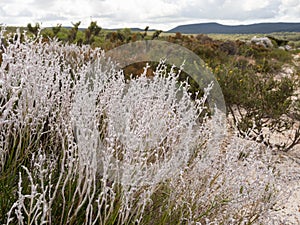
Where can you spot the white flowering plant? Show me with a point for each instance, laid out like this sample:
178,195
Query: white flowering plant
81,145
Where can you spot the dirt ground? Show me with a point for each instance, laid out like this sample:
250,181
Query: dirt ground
287,211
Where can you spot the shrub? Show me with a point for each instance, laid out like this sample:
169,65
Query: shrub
261,103
257,93
80,145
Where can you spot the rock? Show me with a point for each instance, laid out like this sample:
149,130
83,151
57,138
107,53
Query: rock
285,47
263,41
288,47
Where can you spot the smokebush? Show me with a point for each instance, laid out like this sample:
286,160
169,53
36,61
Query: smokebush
81,145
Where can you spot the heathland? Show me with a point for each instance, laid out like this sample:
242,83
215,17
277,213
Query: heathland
85,142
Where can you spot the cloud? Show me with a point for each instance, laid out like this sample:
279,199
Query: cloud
229,10
289,10
2,12
163,14
44,5
51,17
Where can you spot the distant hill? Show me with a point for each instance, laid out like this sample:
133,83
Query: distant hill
262,28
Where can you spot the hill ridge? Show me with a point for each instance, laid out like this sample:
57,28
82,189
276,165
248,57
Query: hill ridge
213,27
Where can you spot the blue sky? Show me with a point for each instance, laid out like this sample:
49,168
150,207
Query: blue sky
158,14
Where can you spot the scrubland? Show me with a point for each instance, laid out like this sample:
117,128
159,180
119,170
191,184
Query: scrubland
83,142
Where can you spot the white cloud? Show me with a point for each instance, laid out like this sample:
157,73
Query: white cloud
250,5
289,9
230,10
161,14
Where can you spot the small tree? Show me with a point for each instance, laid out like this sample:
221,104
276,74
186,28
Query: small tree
262,107
92,31
73,32
56,29
145,32
156,34
34,30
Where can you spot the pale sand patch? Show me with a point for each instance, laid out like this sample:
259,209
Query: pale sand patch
287,211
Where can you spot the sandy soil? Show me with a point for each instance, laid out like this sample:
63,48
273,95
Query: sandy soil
287,211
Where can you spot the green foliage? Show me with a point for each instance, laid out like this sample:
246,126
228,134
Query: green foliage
156,34
34,30
56,29
257,96
145,32
91,32
258,100
73,32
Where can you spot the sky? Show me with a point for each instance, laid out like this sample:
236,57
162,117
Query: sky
157,14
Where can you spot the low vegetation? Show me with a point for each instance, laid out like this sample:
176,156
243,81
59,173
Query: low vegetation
80,144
